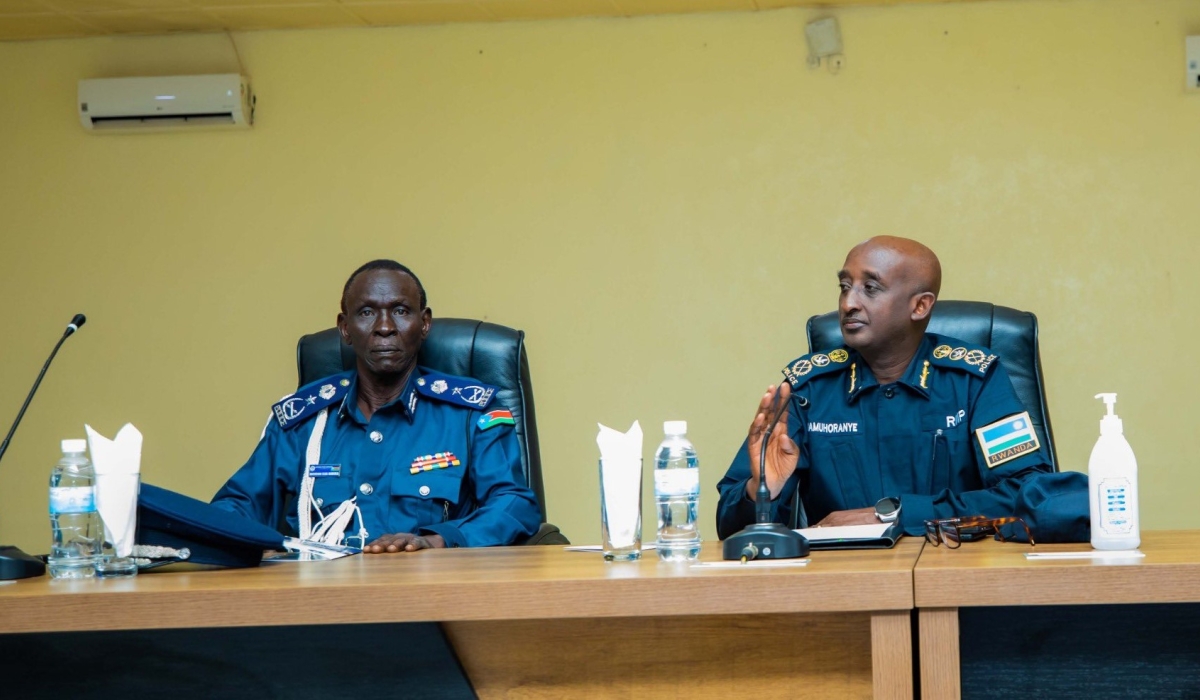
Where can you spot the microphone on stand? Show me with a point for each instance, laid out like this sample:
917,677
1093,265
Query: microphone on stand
13,562
765,539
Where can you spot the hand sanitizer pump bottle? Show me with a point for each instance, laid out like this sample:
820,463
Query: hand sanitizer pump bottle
1112,485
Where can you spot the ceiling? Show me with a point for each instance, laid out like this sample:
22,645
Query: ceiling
52,19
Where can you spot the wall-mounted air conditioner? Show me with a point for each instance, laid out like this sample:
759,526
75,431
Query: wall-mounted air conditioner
172,102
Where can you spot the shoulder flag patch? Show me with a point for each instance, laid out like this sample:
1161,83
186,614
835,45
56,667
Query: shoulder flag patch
955,353
1007,439
310,399
462,391
803,368
493,418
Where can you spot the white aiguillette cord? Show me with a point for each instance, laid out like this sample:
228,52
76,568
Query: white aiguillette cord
331,528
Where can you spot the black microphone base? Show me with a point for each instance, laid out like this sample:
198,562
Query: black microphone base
17,564
766,541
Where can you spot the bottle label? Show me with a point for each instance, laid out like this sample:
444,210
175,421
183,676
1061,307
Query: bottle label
1115,506
72,499
676,482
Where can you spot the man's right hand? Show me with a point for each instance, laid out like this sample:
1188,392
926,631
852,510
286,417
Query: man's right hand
782,452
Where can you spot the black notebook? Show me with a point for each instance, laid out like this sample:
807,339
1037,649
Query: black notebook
880,536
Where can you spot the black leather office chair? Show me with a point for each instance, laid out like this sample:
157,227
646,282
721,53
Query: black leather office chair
1011,334
491,353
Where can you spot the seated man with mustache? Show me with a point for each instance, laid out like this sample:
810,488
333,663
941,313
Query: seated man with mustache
899,424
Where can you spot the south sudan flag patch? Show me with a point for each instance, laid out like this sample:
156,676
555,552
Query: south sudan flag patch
493,418
1007,439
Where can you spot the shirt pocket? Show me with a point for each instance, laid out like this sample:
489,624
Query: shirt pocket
329,492
838,478
948,452
429,497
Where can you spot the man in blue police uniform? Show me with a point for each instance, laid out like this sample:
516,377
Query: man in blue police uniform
402,457
898,424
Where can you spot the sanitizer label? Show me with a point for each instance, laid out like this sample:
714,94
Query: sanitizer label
72,499
676,482
1115,505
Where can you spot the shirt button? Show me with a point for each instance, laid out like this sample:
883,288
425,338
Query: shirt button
320,502
366,489
424,490
888,392
376,436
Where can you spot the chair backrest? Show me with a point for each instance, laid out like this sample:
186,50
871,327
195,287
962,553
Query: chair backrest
491,353
1011,334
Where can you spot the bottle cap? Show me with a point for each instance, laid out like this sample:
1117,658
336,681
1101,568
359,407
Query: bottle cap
74,446
675,427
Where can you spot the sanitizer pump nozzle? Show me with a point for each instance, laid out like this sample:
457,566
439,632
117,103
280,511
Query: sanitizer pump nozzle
1110,424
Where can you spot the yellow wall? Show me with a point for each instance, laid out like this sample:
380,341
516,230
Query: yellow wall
660,203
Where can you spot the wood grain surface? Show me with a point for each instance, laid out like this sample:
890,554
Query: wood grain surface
940,675
892,659
503,583
990,573
820,655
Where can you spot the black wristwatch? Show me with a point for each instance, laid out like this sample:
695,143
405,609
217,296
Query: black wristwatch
887,510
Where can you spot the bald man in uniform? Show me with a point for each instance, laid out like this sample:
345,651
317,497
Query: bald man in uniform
898,424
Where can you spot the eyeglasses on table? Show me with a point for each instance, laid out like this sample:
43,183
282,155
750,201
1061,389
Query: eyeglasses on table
952,532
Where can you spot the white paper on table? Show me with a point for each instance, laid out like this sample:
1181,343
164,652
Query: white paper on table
1101,555
845,532
752,564
118,465
621,482
303,550
600,548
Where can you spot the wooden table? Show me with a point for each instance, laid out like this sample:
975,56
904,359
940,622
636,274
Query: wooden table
990,573
543,622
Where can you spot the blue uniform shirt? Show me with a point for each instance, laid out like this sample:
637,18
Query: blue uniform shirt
949,438
430,462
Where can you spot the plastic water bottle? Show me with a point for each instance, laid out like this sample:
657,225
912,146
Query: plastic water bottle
1112,485
76,527
677,493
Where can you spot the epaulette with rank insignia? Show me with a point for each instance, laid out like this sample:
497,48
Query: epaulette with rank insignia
804,368
951,352
310,399
461,391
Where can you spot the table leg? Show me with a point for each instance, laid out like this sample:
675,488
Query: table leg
891,654
940,678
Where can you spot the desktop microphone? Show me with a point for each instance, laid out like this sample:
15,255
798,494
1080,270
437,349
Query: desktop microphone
76,323
765,539
13,562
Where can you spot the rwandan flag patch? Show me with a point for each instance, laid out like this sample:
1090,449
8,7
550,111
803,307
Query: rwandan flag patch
493,418
1007,439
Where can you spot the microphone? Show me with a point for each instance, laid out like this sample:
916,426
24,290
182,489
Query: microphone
762,500
76,323
765,539
13,562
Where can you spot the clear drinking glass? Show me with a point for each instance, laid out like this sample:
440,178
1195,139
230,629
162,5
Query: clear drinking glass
116,499
621,509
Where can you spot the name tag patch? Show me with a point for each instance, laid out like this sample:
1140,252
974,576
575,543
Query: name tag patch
1007,439
832,427
317,471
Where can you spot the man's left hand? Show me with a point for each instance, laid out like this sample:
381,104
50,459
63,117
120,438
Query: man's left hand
404,542
858,516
